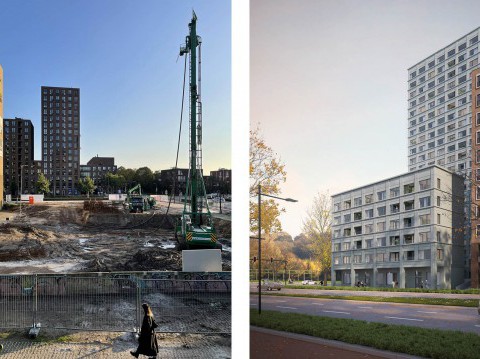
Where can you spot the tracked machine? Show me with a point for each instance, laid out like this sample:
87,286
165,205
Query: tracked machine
195,229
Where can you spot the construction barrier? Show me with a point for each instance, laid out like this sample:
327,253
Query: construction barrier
181,302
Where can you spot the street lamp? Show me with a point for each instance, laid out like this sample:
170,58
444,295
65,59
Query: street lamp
260,194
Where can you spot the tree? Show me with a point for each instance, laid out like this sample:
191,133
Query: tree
318,229
43,184
268,171
145,177
113,181
86,185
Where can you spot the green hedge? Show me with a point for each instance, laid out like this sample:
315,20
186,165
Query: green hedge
427,343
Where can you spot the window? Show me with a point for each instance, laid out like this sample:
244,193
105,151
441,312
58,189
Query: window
440,254
395,208
368,258
425,202
381,211
424,254
394,224
424,219
408,222
357,258
336,247
438,218
358,244
336,207
410,255
424,184
382,195
381,242
394,256
381,227
368,243
409,205
347,218
357,216
380,257
357,230
346,260
369,213
368,228
424,236
357,201
438,183
368,198
395,192
408,188
347,205
438,201
347,232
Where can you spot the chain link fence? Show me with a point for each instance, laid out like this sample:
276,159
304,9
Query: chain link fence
181,302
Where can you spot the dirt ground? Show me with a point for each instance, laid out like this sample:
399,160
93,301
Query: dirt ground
70,237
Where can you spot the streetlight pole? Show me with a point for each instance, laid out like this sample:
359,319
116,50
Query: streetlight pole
260,194
259,249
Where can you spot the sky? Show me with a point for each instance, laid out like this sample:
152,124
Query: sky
328,86
123,55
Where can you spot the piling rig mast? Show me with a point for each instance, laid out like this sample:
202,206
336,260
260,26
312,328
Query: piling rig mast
195,230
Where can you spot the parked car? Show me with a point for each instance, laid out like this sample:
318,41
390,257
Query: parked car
268,285
308,282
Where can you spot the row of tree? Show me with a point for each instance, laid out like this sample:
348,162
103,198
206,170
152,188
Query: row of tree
312,250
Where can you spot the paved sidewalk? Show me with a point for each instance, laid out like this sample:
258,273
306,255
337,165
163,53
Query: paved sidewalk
171,346
266,343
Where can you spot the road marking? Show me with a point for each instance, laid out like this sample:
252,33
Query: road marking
280,301
365,307
417,320
317,304
278,306
332,311
419,311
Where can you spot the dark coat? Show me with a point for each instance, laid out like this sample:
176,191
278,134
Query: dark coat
147,342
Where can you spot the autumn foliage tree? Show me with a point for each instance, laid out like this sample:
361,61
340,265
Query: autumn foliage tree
318,228
268,171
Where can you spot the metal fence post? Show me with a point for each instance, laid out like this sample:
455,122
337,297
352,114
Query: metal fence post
138,306
35,300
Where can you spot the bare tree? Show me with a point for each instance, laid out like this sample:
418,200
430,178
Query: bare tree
318,229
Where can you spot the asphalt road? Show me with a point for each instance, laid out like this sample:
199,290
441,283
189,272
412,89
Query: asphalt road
426,316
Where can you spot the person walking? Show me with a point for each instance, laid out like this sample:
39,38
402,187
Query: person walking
147,342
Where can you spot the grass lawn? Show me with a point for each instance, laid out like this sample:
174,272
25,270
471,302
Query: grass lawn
428,343
386,289
429,301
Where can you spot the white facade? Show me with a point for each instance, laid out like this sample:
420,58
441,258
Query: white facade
403,229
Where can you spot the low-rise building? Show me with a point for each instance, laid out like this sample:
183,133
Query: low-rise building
97,168
405,231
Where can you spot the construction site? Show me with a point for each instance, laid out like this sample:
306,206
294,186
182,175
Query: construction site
95,236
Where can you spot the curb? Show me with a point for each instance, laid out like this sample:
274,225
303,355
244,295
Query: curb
336,344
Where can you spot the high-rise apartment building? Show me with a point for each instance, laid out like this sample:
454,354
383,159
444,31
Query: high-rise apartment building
400,230
439,125
61,138
18,167
440,119
1,136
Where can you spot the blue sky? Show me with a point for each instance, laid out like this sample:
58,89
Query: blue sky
329,86
123,57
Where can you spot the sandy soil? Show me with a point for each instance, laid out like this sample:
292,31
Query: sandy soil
64,237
